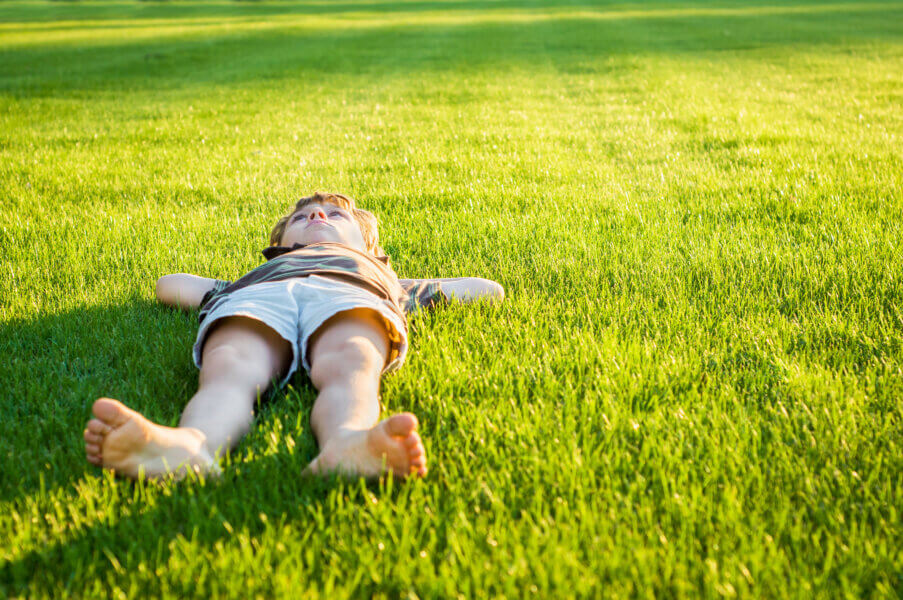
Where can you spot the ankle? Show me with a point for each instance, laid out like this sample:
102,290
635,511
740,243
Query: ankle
339,434
200,438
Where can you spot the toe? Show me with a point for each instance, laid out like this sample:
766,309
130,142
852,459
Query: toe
412,441
111,412
98,427
92,449
401,425
95,460
93,438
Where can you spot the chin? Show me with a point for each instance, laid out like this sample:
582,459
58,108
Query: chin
316,239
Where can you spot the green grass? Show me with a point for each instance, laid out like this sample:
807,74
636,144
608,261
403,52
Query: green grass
692,389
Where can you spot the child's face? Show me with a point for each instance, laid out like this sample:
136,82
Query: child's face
324,222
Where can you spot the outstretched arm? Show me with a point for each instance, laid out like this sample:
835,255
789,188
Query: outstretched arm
465,289
183,290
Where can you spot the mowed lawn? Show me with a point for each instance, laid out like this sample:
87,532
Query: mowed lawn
693,388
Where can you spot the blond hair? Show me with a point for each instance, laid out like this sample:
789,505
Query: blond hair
366,220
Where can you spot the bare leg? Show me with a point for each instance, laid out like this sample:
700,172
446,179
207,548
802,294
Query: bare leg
347,355
240,358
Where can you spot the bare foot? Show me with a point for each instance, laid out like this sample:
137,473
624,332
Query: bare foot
391,445
125,442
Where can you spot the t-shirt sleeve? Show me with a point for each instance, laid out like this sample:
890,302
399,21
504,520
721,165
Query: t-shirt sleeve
424,293
218,286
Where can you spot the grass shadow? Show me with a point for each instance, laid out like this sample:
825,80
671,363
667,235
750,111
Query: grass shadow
65,13
155,521
139,353
296,50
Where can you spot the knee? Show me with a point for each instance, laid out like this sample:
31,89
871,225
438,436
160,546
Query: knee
232,362
353,356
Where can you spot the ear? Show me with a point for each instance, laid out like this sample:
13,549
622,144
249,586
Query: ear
278,230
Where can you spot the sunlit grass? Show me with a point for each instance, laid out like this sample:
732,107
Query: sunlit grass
87,31
692,388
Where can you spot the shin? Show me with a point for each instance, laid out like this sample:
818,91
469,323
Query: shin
347,355
241,357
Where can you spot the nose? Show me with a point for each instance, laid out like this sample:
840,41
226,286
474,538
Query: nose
316,214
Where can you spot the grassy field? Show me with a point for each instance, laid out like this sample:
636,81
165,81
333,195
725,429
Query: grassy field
693,388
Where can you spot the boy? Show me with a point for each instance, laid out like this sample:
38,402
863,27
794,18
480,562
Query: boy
327,299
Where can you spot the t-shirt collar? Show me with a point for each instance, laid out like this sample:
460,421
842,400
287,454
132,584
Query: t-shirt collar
272,252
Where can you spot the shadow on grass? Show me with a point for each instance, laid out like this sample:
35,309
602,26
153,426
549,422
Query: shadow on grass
72,10
64,14
58,365
155,525
140,353
199,55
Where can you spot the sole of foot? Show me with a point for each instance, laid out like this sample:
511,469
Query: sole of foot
127,443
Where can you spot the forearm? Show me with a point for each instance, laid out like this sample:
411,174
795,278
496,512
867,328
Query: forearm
469,289
183,290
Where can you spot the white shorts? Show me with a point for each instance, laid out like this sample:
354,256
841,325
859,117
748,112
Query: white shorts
296,308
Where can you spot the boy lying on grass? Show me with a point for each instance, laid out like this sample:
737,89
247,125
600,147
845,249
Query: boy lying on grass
327,299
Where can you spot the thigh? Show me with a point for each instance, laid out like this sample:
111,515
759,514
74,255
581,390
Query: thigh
245,348
349,341
251,323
